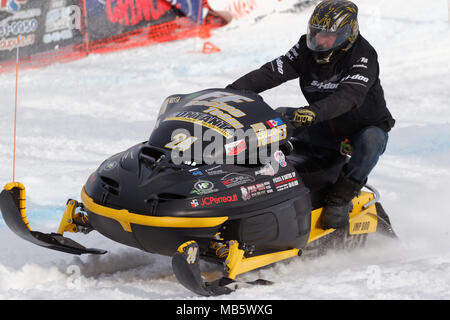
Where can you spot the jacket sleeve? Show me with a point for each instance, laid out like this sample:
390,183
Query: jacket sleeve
271,74
353,87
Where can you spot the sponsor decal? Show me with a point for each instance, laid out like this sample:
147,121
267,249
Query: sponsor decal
285,181
221,96
12,43
235,148
268,136
275,122
173,99
196,172
225,117
11,5
267,170
204,120
216,170
218,107
203,187
110,165
208,201
93,177
255,190
194,203
280,158
181,141
59,22
235,179
18,27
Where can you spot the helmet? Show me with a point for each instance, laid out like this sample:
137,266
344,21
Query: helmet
333,27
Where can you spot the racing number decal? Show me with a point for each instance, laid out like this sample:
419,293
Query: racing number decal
181,141
191,255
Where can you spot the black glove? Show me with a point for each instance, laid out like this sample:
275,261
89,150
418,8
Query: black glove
303,117
286,112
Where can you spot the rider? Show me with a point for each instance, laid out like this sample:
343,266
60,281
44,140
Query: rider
338,73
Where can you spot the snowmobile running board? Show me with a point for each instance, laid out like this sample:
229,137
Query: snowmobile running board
12,206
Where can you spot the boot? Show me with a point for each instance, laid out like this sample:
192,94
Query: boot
338,202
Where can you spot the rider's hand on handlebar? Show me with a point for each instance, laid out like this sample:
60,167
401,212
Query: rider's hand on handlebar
303,117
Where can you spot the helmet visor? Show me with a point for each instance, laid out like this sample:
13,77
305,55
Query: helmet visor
320,40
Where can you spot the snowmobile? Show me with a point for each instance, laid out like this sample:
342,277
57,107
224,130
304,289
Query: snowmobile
221,180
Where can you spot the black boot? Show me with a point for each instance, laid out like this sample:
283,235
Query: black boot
338,202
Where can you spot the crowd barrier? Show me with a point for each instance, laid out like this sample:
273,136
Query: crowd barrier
39,33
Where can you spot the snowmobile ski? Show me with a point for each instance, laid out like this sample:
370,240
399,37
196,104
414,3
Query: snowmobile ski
12,206
186,266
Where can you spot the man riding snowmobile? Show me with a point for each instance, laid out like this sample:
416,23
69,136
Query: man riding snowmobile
339,77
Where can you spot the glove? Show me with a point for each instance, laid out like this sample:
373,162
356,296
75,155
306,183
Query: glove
303,117
286,112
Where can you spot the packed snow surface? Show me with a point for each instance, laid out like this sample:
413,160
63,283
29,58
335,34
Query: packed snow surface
73,116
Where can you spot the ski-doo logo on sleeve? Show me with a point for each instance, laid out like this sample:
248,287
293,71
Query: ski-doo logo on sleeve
208,201
324,85
328,85
294,52
361,63
280,65
355,77
363,60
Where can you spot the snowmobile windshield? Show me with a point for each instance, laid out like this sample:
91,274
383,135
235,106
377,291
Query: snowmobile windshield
319,39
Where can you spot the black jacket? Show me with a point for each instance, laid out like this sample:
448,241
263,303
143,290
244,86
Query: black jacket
345,94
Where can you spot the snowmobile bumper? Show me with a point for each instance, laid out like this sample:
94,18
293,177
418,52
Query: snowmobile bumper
12,206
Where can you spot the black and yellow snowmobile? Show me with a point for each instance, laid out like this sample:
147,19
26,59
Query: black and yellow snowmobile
220,180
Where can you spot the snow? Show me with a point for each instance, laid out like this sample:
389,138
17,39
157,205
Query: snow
73,116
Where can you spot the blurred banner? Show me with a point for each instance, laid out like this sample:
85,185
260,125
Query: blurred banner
39,26
48,31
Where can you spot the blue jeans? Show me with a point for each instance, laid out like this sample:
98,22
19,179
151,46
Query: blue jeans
368,145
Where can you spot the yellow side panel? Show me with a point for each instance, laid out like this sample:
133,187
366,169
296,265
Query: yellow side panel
316,231
361,220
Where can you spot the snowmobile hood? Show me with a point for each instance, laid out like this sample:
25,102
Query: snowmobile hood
212,125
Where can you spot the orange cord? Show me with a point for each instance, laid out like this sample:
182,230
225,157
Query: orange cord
15,111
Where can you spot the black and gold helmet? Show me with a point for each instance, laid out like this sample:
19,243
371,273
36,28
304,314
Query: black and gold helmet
333,27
